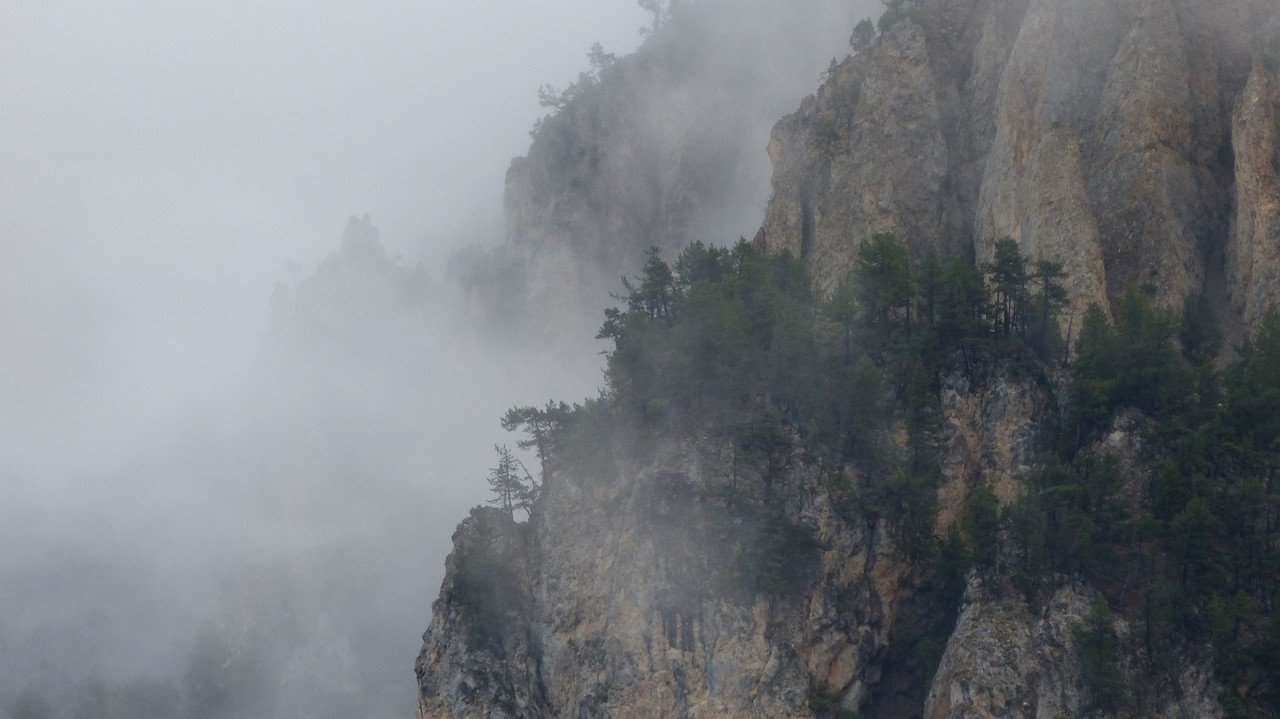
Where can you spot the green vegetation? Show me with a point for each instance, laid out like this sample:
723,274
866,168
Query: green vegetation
1193,554
733,346
732,343
512,486
1100,657
864,33
895,11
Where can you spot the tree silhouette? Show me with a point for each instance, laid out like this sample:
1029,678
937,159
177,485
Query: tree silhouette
512,486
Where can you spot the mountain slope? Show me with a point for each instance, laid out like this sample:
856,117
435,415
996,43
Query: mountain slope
722,555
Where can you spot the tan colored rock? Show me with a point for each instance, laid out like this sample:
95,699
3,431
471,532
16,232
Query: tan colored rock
865,155
620,622
990,436
1254,254
1096,133
1006,661
1091,164
1135,141
625,604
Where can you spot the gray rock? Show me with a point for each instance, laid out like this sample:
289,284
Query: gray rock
1131,140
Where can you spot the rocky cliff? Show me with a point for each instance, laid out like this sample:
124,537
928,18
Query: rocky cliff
662,148
623,596
1006,660
1134,141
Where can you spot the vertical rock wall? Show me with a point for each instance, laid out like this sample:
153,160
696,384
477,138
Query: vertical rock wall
1131,140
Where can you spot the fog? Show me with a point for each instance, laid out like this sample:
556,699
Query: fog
192,475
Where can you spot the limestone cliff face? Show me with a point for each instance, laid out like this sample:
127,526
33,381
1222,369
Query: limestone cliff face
865,155
1137,142
1006,660
620,621
1254,258
1132,140
666,148
622,596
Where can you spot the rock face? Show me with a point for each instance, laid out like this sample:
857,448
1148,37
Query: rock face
623,596
1005,661
1254,257
865,155
991,436
620,623
1132,140
665,148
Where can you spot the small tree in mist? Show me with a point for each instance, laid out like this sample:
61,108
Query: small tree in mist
541,427
1050,297
864,33
513,487
550,97
895,11
599,59
883,278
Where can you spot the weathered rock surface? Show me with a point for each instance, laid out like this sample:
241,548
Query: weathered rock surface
870,158
620,597
1137,142
1254,256
990,437
1134,141
621,619
625,595
1006,661
667,148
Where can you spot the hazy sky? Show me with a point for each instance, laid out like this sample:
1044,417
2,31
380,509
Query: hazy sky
189,149
162,163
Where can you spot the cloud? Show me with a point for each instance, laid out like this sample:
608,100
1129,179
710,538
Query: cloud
163,166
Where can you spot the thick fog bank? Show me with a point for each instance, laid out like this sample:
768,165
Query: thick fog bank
279,525
218,501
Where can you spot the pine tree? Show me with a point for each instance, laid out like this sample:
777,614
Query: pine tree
1051,297
512,486
541,427
1008,275
884,283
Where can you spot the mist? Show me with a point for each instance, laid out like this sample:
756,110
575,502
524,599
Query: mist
232,432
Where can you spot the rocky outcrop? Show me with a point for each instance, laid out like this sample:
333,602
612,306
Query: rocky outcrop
1005,660
864,155
1129,140
1134,141
334,307
632,591
664,148
633,610
1254,255
990,436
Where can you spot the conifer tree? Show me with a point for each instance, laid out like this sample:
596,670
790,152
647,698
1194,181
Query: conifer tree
512,486
1008,275
541,427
